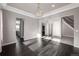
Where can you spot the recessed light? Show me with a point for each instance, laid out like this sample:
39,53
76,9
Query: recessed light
76,30
53,5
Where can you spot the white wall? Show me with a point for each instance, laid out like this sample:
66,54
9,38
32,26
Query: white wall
1,30
31,28
57,27
9,27
9,30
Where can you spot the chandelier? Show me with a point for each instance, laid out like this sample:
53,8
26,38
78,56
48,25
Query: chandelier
39,12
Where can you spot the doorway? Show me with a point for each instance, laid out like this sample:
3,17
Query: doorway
67,30
47,29
43,29
20,29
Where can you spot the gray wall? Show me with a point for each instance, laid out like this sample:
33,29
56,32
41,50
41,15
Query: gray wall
9,27
66,31
74,12
31,28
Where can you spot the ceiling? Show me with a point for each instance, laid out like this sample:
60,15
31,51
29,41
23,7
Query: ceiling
32,7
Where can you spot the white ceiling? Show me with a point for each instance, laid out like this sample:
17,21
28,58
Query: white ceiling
32,7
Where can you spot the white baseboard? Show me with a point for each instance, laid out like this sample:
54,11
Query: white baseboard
9,43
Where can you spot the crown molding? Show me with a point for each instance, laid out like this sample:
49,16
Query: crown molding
62,9
22,12
16,10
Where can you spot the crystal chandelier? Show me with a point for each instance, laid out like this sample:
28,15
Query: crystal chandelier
39,11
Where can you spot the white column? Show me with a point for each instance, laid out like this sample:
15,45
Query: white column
1,30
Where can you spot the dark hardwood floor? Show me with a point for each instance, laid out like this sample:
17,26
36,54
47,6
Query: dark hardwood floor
17,49
47,48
